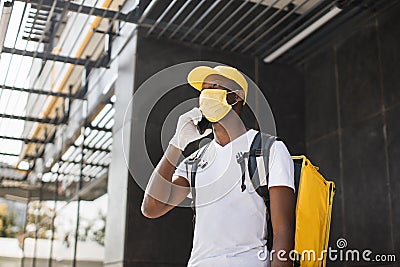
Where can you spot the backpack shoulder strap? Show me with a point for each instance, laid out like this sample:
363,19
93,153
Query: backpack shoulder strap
192,163
260,147
259,175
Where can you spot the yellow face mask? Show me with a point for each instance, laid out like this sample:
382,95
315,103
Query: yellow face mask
213,104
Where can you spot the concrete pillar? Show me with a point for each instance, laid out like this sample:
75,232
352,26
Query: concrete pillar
119,174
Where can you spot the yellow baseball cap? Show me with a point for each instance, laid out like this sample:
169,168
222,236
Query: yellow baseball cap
197,75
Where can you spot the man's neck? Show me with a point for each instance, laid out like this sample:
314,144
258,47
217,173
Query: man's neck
228,129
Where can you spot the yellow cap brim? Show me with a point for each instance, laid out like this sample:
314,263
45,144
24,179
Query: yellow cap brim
197,76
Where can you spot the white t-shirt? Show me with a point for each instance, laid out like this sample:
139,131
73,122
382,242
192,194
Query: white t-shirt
230,227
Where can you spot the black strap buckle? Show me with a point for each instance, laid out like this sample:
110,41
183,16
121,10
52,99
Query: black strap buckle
240,158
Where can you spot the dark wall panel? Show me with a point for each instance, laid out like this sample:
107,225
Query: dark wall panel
319,77
284,90
361,146
358,73
154,55
393,143
246,63
389,36
365,186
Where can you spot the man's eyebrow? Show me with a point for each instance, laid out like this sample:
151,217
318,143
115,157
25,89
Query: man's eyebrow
219,86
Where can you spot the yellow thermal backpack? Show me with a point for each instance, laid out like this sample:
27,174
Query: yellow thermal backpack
314,197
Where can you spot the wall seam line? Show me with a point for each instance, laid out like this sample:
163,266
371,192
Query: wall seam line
340,140
384,132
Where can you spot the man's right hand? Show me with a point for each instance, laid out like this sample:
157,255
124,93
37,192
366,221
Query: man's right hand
186,130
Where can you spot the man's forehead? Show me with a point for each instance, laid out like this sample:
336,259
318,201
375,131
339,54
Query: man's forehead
221,80
216,78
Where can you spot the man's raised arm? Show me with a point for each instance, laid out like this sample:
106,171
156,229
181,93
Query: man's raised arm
164,190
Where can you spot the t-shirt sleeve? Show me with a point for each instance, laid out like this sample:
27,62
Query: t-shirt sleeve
281,168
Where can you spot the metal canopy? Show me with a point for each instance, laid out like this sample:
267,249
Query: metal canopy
86,160
248,27
37,46
254,27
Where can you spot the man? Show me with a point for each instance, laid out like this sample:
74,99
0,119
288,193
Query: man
230,223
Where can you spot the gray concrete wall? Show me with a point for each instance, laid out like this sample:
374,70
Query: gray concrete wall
352,132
